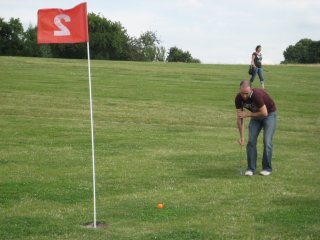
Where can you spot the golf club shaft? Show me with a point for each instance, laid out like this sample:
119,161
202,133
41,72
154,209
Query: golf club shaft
241,154
240,167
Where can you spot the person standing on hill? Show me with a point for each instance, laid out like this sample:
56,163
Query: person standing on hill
256,63
262,111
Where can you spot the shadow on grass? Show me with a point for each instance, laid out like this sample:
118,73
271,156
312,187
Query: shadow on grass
206,165
180,235
214,172
59,191
297,215
23,227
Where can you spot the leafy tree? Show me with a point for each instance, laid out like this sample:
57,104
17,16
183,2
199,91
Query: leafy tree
135,50
108,40
304,51
11,35
147,48
68,50
315,49
178,55
160,54
45,50
149,43
30,46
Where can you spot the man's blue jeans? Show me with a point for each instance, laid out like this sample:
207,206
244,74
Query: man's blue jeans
260,74
268,124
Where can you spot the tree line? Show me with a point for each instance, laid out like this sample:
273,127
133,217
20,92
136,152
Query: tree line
108,40
304,51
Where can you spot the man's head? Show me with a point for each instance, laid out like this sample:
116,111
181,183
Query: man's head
245,90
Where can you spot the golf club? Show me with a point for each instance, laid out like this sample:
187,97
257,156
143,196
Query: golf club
241,154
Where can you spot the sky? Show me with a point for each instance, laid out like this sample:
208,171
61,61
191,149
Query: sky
216,31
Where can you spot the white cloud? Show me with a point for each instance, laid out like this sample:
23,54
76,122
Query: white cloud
190,3
136,22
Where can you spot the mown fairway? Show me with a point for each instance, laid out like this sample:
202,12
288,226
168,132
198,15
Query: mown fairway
163,133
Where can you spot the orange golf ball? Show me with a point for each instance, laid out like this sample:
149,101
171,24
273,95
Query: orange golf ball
160,205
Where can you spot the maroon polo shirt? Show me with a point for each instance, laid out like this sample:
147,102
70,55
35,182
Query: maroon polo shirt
256,100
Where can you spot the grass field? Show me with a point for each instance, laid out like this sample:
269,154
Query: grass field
163,133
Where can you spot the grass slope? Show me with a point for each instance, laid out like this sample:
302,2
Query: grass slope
163,133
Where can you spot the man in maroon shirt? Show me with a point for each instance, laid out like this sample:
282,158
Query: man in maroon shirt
262,111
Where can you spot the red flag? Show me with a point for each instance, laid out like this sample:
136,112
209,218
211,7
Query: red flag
63,26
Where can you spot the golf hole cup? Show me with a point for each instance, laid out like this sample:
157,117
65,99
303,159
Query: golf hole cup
160,205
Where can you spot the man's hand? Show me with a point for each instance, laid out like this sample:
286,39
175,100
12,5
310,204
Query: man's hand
241,141
243,114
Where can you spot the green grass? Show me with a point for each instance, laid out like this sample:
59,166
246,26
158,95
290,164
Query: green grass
163,133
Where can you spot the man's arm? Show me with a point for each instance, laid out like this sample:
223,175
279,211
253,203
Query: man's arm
240,127
252,60
263,112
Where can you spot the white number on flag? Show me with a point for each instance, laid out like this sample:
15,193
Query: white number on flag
64,31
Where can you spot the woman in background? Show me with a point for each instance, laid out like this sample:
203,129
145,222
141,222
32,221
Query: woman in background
256,62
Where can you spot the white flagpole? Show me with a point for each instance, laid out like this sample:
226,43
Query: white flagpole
92,141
